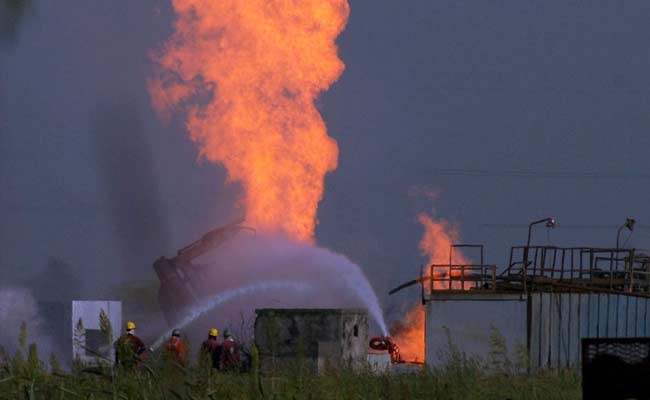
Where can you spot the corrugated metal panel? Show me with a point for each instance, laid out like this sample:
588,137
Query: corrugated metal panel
558,322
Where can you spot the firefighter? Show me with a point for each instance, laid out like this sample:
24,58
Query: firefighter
175,348
211,349
129,349
229,352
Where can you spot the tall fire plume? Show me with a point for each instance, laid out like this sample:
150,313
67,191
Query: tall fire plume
435,245
248,73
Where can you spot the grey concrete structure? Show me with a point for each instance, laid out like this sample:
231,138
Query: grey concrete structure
320,337
379,361
88,341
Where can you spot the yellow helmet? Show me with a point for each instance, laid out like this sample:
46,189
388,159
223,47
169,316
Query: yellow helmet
130,325
214,332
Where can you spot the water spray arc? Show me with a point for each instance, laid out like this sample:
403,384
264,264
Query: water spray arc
228,295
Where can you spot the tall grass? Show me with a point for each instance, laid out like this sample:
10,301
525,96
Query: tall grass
459,376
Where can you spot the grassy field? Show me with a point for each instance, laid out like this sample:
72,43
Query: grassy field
24,376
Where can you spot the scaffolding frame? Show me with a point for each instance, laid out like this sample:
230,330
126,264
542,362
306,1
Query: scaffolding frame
544,268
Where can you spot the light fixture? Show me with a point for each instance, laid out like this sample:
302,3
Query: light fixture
550,223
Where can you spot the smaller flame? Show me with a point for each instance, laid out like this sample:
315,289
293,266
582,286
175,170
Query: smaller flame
436,244
409,335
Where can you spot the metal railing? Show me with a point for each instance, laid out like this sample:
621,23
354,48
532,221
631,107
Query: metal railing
462,277
615,270
541,267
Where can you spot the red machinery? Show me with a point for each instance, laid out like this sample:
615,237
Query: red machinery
182,283
386,343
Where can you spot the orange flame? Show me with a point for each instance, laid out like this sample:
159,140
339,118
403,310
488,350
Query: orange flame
409,335
248,73
435,244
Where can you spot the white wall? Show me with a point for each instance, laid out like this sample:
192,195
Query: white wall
470,321
88,312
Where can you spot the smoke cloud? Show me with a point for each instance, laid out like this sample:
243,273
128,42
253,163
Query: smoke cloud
17,305
130,184
335,280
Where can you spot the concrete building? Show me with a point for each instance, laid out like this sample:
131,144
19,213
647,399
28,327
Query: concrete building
60,323
379,361
89,343
320,337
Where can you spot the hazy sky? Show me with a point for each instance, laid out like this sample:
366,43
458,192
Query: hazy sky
521,89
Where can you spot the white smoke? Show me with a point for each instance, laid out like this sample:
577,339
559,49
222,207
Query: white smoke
336,281
17,305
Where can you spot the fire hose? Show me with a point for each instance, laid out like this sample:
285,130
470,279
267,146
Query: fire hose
386,343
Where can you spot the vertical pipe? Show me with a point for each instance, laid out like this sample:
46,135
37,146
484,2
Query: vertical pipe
539,330
451,249
631,268
537,250
598,316
611,270
645,317
611,277
462,277
588,314
618,298
422,286
607,316
636,315
529,325
568,335
426,314
591,263
549,330
524,267
559,330
627,312
579,316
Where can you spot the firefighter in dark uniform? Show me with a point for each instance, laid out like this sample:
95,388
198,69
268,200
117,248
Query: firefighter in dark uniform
211,349
129,349
230,357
